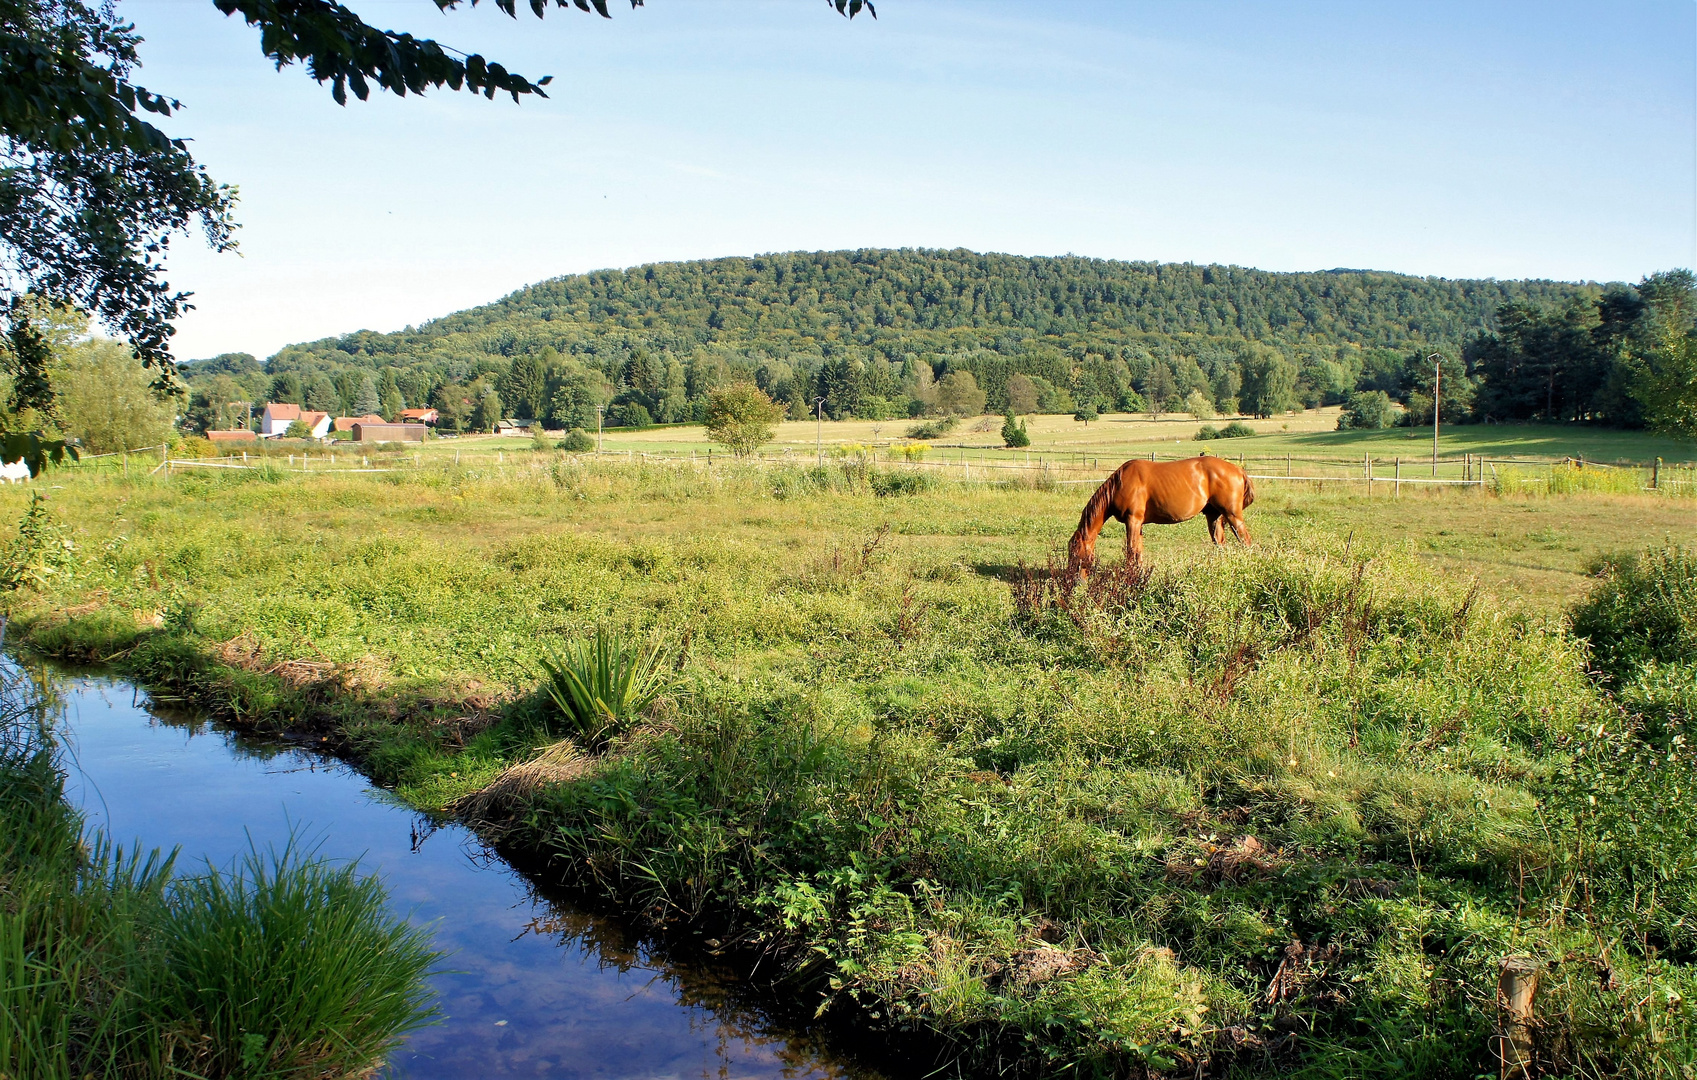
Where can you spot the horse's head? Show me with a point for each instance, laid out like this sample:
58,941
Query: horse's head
1081,554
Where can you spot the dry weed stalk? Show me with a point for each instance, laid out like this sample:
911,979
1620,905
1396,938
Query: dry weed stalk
493,806
1064,588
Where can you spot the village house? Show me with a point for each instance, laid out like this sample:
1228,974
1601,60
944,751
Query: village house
416,416
277,417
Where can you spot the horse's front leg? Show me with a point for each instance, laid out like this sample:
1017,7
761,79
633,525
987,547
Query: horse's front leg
1133,540
1216,529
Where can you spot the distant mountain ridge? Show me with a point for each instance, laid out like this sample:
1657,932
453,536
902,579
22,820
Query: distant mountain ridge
870,330
857,294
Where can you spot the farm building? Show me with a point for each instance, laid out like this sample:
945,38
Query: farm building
381,432
232,436
416,416
346,423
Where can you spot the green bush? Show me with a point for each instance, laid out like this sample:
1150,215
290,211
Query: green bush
1642,611
932,429
577,441
1368,410
1014,434
40,550
1237,429
901,482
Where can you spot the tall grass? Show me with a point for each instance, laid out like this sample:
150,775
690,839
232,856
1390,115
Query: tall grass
1283,810
113,965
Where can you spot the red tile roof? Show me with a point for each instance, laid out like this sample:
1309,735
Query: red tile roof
232,436
346,423
283,411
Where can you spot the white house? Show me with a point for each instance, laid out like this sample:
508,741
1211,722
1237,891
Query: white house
276,418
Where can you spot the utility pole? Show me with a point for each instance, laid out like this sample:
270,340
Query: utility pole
819,431
599,410
1437,403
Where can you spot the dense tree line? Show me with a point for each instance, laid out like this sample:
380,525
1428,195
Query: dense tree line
878,333
1617,358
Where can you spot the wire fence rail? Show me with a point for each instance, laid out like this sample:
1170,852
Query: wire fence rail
1500,474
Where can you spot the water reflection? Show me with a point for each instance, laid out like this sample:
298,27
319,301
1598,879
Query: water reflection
535,987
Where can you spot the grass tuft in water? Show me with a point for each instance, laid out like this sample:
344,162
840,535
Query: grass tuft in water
111,965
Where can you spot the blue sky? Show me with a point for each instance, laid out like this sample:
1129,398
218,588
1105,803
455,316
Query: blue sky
1458,140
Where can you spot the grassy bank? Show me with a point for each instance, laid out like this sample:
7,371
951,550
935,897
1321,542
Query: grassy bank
114,965
1274,811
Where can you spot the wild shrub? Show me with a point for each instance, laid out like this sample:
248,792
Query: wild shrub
1641,611
1368,410
40,550
577,441
932,429
1014,434
1237,429
896,482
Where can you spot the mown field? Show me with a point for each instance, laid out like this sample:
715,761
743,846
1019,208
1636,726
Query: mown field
1312,433
1259,812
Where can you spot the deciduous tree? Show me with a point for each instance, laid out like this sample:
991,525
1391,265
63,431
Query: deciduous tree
958,394
741,417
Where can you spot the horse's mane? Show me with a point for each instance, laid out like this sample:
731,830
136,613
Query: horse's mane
1095,515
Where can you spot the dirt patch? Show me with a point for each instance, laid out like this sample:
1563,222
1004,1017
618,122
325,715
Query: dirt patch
363,675
1033,967
1209,864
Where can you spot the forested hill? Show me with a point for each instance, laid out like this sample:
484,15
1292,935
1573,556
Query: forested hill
872,331
860,295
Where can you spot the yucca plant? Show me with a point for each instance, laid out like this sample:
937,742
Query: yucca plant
600,684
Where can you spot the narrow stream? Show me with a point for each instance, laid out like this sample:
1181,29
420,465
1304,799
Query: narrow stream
534,987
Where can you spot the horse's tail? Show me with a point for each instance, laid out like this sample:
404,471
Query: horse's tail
1081,551
1248,489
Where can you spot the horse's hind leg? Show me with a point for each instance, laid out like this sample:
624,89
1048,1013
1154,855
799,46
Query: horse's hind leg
1237,526
1216,530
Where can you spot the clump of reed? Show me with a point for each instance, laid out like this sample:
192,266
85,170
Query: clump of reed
113,964
600,685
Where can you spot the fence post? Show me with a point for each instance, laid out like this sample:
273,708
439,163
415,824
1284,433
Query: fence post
1656,474
1368,468
1515,988
1396,487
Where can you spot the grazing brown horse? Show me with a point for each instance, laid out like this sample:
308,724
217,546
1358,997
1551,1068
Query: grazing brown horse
1163,493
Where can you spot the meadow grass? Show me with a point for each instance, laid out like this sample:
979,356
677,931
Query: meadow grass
114,965
1281,810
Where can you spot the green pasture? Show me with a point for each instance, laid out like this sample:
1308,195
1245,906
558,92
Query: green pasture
1261,812
1511,459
